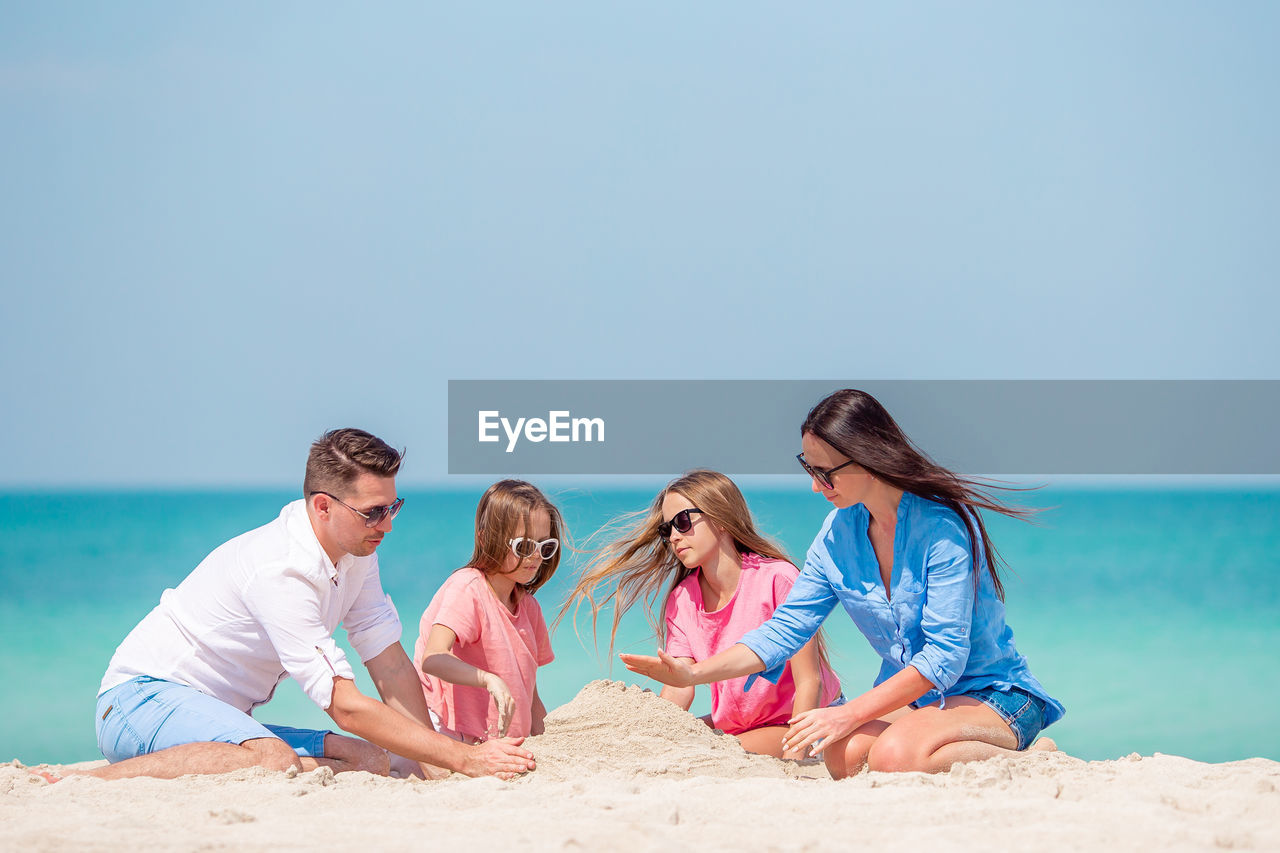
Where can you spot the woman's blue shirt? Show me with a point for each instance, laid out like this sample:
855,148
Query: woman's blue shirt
934,620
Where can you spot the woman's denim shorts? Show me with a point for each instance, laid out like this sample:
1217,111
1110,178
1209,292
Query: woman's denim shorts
1021,710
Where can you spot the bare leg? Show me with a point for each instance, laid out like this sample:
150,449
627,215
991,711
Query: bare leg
932,739
1043,744
347,753
766,740
847,756
204,757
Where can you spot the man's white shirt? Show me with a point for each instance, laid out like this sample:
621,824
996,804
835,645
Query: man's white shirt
262,607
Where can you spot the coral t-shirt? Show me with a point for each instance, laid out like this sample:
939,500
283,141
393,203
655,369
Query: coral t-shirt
490,637
692,632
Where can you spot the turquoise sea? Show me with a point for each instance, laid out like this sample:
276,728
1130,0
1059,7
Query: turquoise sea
1154,615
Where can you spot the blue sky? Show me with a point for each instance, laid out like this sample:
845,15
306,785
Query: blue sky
227,227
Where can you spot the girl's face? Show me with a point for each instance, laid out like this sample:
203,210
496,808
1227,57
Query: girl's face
702,540
524,571
850,485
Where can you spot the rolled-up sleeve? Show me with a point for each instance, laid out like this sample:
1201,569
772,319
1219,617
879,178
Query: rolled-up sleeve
372,622
287,606
795,622
947,615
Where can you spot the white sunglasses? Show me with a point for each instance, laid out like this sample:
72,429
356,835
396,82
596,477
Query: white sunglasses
524,548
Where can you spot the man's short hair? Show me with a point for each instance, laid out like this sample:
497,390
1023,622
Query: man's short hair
339,456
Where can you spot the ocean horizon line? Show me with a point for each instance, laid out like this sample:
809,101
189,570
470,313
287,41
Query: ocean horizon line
627,482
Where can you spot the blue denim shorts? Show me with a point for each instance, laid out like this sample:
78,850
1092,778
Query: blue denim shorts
1021,710
146,714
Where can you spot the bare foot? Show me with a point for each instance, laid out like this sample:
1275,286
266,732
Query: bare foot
45,774
1044,744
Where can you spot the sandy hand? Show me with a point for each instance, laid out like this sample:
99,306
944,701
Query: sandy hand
502,697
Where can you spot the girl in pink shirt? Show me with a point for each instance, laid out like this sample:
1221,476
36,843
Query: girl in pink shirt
722,579
482,638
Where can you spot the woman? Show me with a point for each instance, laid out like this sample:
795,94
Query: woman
722,578
906,553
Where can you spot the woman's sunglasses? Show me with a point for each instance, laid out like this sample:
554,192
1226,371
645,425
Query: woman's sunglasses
525,548
374,515
680,521
822,475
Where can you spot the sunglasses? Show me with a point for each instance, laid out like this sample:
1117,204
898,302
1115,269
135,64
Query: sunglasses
680,521
822,475
524,548
374,515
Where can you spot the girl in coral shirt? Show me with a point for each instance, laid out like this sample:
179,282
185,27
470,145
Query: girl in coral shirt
483,637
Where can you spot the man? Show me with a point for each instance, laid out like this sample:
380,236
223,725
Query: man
178,692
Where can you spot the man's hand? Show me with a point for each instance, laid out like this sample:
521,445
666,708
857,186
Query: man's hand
502,758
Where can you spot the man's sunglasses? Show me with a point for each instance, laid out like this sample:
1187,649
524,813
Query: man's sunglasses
525,548
822,475
680,521
374,515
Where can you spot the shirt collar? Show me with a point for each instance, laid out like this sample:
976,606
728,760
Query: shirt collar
298,523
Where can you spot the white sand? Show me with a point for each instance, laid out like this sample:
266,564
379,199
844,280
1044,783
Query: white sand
620,769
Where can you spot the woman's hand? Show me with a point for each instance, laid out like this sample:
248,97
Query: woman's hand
502,696
664,668
813,731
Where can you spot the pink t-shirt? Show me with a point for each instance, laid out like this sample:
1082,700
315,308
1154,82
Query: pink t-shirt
490,637
692,632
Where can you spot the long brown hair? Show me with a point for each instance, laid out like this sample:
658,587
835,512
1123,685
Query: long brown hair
504,507
636,565
855,424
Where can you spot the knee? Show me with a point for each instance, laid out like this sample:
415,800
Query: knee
273,754
892,754
836,763
845,757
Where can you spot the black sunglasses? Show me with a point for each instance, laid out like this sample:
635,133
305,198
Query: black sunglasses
822,475
680,521
374,516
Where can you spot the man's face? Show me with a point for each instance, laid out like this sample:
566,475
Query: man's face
346,529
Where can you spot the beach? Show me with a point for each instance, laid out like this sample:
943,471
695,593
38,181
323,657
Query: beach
621,769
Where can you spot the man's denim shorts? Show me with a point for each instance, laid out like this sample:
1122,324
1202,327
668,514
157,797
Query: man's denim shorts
146,714
1021,710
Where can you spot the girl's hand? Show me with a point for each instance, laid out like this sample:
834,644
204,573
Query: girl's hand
663,668
813,731
502,696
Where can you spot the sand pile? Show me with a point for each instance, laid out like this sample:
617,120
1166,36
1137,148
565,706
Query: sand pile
616,730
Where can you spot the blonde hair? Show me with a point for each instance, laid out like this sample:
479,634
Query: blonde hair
504,508
636,565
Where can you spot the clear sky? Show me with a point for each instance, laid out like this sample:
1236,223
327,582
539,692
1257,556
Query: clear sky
225,227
